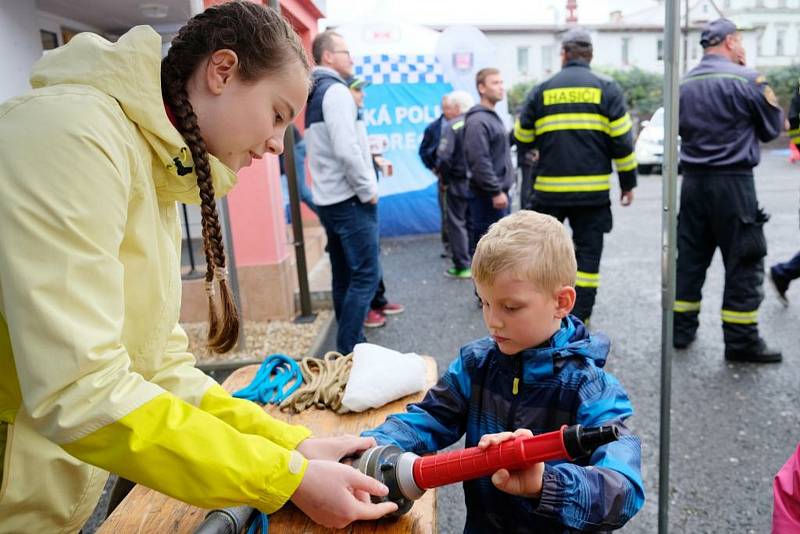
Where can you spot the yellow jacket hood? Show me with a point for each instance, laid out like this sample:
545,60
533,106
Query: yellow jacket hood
130,72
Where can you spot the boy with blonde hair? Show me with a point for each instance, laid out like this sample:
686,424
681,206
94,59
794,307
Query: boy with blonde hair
540,368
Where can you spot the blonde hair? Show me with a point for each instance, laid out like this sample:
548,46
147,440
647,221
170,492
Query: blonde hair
532,246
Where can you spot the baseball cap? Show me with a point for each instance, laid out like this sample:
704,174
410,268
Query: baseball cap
356,83
578,36
715,32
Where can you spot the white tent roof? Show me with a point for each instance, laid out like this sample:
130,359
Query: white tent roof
388,38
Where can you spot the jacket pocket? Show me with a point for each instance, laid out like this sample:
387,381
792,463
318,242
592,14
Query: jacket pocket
751,244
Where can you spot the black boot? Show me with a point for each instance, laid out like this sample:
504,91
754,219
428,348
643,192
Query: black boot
759,354
681,341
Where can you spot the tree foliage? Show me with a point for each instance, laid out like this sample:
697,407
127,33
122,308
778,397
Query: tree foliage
516,95
783,81
643,90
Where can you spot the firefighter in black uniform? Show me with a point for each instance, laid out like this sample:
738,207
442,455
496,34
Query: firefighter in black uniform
725,110
782,274
578,121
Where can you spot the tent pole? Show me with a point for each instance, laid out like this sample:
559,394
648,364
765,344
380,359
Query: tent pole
668,247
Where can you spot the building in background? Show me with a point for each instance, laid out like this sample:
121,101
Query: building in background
776,24
264,259
633,36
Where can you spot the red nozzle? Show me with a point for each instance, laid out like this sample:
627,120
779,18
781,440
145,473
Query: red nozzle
457,466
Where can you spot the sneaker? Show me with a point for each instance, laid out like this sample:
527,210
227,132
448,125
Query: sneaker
375,319
392,308
780,284
763,354
455,272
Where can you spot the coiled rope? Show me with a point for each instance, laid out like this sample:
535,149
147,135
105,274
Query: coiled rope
324,382
314,382
278,377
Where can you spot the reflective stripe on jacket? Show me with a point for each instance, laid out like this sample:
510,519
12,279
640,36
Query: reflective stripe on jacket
95,375
578,121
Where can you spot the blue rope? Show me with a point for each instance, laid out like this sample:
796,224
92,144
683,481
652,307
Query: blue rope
260,524
273,381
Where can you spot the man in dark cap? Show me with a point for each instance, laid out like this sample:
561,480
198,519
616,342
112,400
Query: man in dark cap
725,110
578,121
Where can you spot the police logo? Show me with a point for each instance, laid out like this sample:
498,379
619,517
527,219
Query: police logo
769,94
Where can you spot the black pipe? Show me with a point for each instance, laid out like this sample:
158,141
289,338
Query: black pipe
225,520
193,272
306,315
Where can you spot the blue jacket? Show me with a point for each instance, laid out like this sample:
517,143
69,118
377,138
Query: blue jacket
561,383
725,110
430,142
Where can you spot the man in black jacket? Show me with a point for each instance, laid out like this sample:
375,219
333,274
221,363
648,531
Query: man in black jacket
578,121
488,156
782,274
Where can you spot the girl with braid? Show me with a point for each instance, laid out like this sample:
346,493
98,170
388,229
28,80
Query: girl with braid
95,375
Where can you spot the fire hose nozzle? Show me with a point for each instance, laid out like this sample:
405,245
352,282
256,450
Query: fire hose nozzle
581,441
408,476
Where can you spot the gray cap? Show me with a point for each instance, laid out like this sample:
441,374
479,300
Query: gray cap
576,35
715,32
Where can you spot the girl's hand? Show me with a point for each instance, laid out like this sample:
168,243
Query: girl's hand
334,495
525,482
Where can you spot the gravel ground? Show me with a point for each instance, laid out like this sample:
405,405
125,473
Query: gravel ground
263,338
733,425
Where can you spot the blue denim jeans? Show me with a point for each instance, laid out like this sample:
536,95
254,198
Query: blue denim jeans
788,270
483,215
352,229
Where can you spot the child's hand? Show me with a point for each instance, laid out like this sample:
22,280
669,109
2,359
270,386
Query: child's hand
525,482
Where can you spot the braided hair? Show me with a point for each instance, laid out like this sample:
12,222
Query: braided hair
264,43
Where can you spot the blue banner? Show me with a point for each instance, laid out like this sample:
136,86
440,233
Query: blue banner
403,99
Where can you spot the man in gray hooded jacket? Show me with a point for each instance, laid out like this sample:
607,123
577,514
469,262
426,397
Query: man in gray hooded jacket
345,188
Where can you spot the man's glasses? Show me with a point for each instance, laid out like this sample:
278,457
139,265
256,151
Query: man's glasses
345,52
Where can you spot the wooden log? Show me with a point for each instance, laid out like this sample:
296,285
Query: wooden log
146,511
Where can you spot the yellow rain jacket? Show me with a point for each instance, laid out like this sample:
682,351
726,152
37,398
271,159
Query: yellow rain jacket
94,370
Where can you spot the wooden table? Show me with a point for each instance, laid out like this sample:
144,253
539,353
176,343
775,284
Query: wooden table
147,511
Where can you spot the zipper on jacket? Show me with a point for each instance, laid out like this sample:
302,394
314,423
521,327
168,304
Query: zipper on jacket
512,413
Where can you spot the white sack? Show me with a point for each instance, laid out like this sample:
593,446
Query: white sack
380,375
